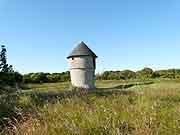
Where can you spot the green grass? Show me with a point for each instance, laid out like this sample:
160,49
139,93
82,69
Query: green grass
48,87
116,108
64,86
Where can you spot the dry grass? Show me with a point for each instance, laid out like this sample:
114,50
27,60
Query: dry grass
152,109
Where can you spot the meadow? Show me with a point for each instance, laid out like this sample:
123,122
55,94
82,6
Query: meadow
116,108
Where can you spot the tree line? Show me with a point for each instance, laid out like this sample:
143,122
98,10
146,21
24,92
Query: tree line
46,77
145,73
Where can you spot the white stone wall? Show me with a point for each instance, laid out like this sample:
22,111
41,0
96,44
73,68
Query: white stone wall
82,72
81,62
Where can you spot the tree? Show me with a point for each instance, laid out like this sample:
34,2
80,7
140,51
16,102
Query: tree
127,74
105,75
4,67
145,73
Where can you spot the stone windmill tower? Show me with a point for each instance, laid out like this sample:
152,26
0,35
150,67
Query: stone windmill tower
82,63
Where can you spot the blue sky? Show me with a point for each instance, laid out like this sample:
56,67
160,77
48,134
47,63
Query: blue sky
125,34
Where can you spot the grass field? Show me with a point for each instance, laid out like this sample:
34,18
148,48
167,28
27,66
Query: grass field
115,108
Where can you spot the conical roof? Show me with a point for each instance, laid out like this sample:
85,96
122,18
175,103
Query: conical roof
82,50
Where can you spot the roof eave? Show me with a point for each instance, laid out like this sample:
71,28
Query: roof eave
80,56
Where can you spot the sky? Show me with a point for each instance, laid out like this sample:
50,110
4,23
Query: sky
125,34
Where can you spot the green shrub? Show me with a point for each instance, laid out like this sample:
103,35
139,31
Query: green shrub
46,77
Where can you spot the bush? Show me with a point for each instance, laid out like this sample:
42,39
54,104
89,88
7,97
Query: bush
9,81
46,77
128,74
145,73
117,75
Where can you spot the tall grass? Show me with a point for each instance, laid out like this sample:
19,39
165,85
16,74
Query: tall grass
152,109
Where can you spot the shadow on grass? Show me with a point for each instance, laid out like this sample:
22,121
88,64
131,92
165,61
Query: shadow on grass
125,86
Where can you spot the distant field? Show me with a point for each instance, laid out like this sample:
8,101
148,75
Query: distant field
116,108
65,86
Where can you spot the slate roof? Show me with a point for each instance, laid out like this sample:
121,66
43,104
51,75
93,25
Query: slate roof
82,50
